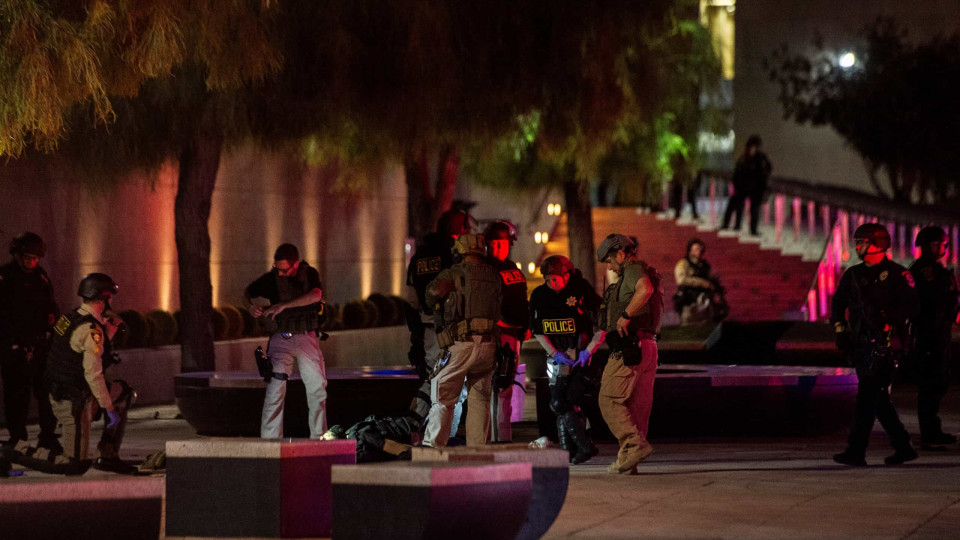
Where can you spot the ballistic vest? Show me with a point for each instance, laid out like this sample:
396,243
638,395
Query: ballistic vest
650,316
432,257
565,316
302,319
515,308
473,306
64,374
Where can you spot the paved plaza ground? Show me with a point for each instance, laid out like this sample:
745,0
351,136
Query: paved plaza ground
720,488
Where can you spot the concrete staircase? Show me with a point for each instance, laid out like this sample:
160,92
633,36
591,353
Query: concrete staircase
762,284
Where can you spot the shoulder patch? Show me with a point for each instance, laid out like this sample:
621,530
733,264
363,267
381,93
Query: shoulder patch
512,276
909,278
428,265
62,324
96,335
883,275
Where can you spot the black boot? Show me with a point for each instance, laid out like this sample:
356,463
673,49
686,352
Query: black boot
566,440
577,430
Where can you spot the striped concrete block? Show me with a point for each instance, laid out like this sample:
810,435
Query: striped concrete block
550,474
407,501
252,487
117,508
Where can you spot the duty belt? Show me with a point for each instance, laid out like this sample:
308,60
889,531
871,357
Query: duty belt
462,330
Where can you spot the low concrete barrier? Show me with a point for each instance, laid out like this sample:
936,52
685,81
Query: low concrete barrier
407,501
550,475
251,487
119,508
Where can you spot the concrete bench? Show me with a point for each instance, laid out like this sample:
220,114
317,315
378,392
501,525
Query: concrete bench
407,501
252,487
550,475
116,508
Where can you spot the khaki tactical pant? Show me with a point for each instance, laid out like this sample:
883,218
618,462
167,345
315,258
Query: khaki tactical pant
304,349
75,437
473,360
626,397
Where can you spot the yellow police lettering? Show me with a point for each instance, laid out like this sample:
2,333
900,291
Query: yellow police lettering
559,326
428,266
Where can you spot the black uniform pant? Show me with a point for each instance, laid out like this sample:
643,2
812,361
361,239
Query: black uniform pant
873,402
735,209
22,372
933,378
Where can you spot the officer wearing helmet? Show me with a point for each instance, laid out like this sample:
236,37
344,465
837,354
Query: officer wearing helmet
79,354
880,297
514,318
433,255
631,316
27,311
939,304
466,302
563,314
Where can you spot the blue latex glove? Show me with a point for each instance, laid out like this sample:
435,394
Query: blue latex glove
113,419
583,359
561,357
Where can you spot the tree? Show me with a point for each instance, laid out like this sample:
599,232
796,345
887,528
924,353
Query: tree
626,97
896,106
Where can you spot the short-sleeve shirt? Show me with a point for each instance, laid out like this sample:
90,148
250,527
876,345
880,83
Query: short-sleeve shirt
268,285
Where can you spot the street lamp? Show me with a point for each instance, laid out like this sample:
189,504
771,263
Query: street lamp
847,60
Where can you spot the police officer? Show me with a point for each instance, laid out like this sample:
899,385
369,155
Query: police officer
939,303
514,318
466,301
27,312
288,302
631,316
563,312
79,354
880,297
434,254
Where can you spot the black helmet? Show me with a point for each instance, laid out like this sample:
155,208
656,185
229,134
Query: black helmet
929,234
556,265
95,286
500,230
29,243
454,223
615,242
874,233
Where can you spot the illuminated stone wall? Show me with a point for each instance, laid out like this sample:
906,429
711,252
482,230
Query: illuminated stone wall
815,154
261,200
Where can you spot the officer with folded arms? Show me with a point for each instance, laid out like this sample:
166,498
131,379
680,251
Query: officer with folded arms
288,302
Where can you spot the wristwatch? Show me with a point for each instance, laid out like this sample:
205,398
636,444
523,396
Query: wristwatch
624,315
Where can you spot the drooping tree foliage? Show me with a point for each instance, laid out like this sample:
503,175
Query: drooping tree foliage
896,106
629,114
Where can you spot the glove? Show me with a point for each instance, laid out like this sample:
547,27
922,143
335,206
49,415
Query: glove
583,359
113,419
561,357
843,340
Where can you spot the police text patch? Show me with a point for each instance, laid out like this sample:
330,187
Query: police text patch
511,276
428,266
559,326
62,324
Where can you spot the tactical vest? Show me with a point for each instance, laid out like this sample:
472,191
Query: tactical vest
297,320
650,315
561,315
430,259
473,306
514,309
64,374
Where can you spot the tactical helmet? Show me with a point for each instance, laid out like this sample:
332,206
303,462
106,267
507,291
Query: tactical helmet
470,244
29,243
95,286
615,242
874,233
556,265
501,230
929,234
454,223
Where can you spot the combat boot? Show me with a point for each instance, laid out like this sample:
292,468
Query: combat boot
566,440
901,456
576,430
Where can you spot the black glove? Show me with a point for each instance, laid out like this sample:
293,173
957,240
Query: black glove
844,342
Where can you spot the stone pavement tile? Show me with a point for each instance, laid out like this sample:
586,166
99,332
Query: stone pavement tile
945,524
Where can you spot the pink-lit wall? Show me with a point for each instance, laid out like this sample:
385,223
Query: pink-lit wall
262,199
